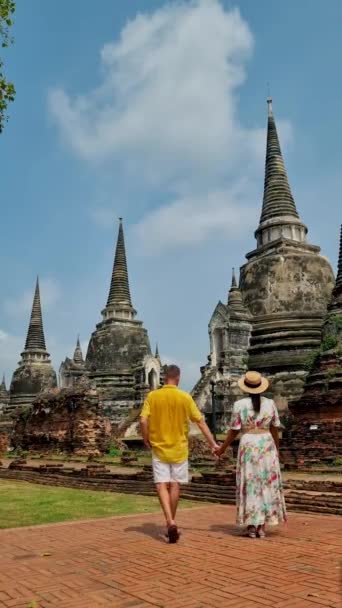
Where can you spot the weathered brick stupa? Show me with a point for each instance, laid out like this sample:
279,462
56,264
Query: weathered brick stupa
229,335
286,284
34,372
273,321
119,360
316,429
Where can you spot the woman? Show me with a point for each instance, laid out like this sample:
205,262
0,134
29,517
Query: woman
259,491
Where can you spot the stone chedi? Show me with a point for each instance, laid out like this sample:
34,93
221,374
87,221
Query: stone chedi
4,395
284,290
119,360
286,283
316,429
229,335
34,372
73,371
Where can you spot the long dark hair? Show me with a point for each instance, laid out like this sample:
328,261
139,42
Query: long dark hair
256,402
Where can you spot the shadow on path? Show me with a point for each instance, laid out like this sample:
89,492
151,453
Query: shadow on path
230,529
149,529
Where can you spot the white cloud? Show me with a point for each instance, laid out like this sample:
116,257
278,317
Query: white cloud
192,219
20,306
166,101
166,114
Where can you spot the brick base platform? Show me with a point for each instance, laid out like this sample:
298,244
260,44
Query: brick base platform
124,563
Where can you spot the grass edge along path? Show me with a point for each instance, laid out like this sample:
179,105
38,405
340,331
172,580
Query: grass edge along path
28,504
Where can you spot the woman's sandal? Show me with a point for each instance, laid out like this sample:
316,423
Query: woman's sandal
251,532
261,532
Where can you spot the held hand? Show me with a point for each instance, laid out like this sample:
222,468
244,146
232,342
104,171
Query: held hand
213,450
219,451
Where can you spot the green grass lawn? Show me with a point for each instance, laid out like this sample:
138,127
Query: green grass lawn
27,504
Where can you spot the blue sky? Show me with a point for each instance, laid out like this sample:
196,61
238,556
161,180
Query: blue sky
157,111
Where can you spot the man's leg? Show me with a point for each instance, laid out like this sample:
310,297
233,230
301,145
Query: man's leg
162,477
165,501
174,497
179,474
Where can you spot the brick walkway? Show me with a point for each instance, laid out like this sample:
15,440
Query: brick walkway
124,563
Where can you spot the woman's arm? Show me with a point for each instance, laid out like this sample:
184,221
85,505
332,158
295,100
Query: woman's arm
275,434
228,440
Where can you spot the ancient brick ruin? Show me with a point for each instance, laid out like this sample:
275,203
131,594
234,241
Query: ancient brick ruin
68,420
315,432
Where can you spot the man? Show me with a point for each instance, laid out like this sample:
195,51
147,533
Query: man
164,424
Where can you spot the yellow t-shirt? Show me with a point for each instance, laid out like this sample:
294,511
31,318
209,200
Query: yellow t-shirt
169,410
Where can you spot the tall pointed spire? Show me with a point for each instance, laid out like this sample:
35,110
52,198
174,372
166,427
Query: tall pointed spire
78,356
3,391
157,356
234,283
278,199
336,296
339,264
35,336
235,303
119,292
279,217
3,383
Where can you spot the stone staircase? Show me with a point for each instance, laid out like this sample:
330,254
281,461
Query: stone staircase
132,418
208,373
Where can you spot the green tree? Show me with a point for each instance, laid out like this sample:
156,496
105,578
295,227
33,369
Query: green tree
7,90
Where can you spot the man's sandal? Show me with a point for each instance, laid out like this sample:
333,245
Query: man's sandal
173,534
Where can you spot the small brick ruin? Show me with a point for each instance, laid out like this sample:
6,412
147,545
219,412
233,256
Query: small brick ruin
67,420
315,434
3,443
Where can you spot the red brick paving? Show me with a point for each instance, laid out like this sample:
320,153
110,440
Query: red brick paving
124,563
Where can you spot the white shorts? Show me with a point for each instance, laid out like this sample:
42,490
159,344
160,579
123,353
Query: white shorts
164,472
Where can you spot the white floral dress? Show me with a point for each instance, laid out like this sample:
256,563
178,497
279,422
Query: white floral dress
259,492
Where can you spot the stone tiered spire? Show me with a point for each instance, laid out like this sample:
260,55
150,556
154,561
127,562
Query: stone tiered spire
119,303
157,355
4,395
35,339
339,264
78,356
336,297
235,303
278,199
279,216
34,372
3,389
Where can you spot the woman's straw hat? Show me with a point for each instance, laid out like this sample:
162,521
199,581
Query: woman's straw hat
253,382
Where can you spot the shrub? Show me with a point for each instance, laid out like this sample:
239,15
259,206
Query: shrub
113,451
329,342
311,361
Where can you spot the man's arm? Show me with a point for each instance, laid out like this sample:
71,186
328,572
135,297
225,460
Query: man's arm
202,425
144,431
